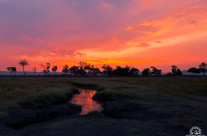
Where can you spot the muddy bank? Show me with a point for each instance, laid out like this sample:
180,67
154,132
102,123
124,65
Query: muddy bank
163,116
22,117
89,86
43,109
104,97
176,114
94,124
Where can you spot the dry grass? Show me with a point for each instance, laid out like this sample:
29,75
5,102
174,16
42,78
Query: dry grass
151,87
16,89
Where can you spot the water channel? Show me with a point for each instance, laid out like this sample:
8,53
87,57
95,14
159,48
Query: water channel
85,100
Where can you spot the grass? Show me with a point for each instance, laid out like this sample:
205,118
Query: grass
18,90
13,90
137,88
176,86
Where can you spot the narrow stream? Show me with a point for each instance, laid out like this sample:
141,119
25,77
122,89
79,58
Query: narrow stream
85,100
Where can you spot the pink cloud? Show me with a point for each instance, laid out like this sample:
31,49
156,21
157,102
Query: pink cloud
57,31
143,45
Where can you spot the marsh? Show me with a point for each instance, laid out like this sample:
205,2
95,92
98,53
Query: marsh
129,106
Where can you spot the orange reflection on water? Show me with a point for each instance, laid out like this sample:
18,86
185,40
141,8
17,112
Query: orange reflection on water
85,100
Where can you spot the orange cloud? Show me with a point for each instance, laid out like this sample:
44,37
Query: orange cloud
135,32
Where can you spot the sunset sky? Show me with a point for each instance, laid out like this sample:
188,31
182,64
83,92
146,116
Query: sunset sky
140,33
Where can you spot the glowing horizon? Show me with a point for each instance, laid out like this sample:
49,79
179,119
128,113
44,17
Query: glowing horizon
139,33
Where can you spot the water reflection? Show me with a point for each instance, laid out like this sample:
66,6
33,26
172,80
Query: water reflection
85,99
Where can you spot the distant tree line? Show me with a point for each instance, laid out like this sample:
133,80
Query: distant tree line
201,69
86,69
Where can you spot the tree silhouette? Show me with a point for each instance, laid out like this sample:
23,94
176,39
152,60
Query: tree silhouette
95,71
34,69
74,70
92,68
87,67
65,69
119,71
12,70
107,69
146,72
23,63
179,72
82,70
192,70
156,71
203,67
54,69
174,69
46,68
134,71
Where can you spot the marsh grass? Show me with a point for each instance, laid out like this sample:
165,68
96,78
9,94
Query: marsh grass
13,90
148,88
18,90
176,86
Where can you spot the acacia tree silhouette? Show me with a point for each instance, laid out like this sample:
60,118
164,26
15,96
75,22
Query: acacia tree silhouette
155,71
146,72
203,67
84,68
107,69
134,71
179,72
192,70
95,71
65,69
46,68
12,70
174,69
23,63
81,68
87,67
54,69
120,71
74,70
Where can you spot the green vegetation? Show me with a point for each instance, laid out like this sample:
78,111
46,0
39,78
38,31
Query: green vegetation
14,90
150,87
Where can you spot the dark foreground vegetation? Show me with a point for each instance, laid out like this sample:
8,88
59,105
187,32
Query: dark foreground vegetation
131,106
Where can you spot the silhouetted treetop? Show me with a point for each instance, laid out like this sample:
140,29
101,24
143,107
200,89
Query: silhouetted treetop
65,69
194,70
12,69
23,63
134,71
176,71
155,71
146,72
203,67
54,69
46,68
107,69
74,70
